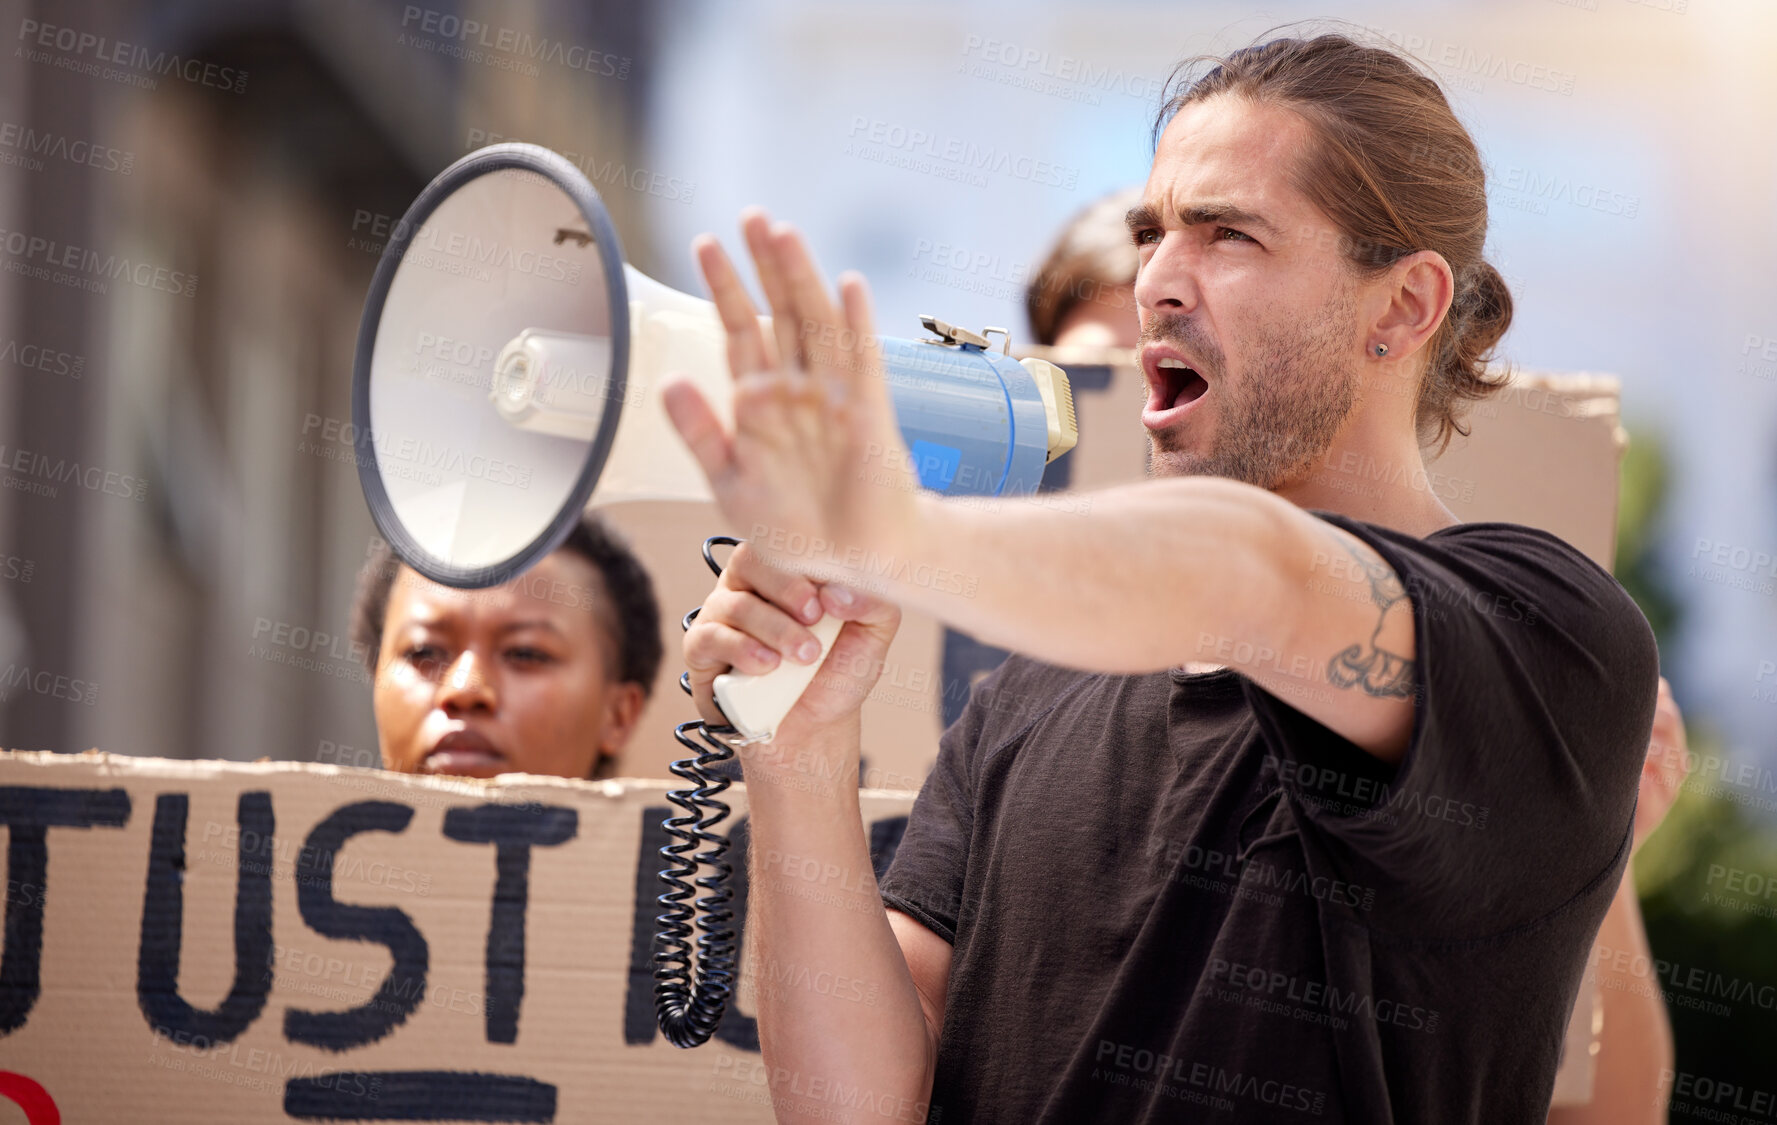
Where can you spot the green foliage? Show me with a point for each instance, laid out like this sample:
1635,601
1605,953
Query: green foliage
1703,879
1702,876
1640,503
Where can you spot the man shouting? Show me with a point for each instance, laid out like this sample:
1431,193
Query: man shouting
1299,802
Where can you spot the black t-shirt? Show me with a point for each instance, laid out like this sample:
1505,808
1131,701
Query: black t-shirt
1175,897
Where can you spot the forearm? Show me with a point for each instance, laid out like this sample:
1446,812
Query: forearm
1126,580
1635,1047
836,1002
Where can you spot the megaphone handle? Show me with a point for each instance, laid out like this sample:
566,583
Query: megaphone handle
756,704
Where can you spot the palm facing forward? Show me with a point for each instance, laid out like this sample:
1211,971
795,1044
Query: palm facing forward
815,471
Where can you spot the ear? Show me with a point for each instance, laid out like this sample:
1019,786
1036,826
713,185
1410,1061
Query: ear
1417,291
623,708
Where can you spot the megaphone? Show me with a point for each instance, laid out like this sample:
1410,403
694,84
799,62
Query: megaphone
508,374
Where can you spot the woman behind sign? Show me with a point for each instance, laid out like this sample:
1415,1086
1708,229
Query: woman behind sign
546,674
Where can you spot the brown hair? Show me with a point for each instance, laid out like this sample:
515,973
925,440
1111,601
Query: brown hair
1093,257
1396,173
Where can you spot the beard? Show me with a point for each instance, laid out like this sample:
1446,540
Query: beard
1275,421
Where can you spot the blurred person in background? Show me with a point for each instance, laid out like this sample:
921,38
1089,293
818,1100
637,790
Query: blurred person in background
546,674
1083,295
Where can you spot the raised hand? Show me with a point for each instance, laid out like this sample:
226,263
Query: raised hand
814,473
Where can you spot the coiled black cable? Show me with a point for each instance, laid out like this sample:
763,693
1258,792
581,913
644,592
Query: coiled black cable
692,991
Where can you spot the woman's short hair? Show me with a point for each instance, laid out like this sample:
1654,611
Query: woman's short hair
1092,262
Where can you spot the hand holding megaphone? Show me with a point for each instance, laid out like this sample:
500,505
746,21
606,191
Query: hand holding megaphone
814,456
757,618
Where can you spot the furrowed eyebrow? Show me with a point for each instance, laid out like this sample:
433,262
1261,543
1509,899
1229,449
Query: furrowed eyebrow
1225,213
1144,217
1141,217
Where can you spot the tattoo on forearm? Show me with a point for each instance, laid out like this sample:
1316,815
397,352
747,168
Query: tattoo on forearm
1365,665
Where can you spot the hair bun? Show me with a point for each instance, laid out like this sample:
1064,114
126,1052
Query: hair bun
1480,313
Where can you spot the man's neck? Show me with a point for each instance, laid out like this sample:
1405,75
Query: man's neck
1384,485
1380,482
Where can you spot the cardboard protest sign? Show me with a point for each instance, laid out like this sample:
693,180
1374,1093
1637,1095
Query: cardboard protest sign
221,942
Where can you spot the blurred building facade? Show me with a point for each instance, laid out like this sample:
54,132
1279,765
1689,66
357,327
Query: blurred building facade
194,198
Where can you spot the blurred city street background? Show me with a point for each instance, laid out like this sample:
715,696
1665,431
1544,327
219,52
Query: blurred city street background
185,248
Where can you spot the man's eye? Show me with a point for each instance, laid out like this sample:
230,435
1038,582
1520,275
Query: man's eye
1145,237
524,654
1229,234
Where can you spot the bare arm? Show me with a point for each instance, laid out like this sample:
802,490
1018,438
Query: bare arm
844,1012
838,1006
1150,575
928,960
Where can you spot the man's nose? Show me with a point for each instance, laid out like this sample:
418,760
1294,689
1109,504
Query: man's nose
466,686
1167,281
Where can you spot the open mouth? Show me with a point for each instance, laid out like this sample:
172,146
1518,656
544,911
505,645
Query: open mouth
1182,384
1173,386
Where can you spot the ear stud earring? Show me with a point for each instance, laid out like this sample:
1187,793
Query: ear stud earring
1381,349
